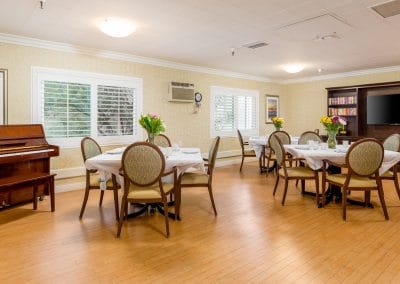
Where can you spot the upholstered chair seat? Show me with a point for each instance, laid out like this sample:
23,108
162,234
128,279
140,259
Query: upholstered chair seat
149,192
355,181
250,152
297,172
194,178
95,182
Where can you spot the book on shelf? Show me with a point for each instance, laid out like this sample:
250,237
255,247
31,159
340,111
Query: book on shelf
342,100
342,111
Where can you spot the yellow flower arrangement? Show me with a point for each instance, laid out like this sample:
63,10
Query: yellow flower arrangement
332,123
278,122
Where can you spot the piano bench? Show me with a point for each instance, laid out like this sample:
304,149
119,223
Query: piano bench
31,179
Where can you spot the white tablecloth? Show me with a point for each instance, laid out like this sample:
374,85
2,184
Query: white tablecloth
110,162
314,158
259,142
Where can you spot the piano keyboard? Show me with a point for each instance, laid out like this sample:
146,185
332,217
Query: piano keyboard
25,153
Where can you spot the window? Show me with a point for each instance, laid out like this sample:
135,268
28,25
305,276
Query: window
233,109
72,105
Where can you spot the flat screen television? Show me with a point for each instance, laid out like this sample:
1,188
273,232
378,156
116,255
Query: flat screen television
383,109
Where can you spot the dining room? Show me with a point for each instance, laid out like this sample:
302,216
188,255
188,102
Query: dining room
199,141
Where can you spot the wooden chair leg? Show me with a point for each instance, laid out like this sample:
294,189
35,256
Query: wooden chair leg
317,195
101,197
382,199
116,205
52,196
396,184
276,185
303,186
35,190
177,202
344,203
115,191
85,199
241,165
212,199
285,191
166,216
122,214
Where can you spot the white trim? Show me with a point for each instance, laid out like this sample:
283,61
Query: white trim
39,74
71,186
342,75
70,48
69,172
234,92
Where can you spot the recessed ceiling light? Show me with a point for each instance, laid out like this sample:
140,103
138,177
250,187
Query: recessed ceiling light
319,70
117,27
293,68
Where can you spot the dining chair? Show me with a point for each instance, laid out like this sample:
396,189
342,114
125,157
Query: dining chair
90,148
363,160
307,136
143,166
290,173
162,140
303,140
284,137
392,143
201,179
245,152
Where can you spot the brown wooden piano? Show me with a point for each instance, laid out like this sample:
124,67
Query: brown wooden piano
25,165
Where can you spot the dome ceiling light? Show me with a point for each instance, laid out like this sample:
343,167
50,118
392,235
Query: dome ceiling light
117,27
293,68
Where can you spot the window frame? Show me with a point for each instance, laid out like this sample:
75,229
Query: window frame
217,90
40,74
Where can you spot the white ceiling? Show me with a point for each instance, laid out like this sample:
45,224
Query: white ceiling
201,32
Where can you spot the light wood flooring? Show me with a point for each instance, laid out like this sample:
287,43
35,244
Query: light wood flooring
254,239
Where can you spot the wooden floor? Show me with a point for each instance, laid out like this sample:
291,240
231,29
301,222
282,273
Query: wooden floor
254,239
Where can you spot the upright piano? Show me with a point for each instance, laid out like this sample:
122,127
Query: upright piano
24,156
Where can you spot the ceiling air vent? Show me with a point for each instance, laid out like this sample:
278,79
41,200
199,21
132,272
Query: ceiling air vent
256,44
388,9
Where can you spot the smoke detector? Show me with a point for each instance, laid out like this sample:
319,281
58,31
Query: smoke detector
333,35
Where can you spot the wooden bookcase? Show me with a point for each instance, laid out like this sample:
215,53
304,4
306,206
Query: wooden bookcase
350,102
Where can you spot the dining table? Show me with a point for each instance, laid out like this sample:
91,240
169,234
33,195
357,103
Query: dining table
314,156
259,144
109,163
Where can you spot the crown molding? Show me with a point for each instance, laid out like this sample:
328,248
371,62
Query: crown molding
342,75
70,48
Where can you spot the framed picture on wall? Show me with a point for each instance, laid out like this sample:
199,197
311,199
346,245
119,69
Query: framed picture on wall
271,107
3,96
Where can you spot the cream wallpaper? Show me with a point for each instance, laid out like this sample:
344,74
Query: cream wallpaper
301,104
182,124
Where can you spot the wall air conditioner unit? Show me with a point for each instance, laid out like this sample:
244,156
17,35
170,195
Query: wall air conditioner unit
181,92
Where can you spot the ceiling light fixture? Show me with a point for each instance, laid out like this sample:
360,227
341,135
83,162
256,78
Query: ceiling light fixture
117,27
293,68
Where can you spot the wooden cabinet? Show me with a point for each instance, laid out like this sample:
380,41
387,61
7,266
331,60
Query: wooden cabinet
350,102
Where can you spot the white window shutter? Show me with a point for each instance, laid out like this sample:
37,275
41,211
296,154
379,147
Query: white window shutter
116,111
66,109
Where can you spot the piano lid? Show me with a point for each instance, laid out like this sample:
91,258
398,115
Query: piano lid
21,131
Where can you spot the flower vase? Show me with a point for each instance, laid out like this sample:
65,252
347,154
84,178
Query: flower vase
332,139
150,137
278,128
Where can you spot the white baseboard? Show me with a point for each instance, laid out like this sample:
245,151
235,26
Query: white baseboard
70,186
69,172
